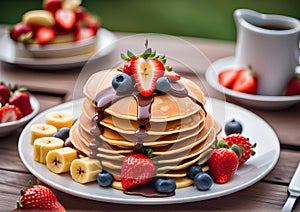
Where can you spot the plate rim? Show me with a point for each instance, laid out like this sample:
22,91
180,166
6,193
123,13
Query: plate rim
134,200
228,61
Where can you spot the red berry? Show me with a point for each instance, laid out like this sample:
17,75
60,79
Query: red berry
44,35
137,169
22,101
222,164
246,83
52,5
293,87
4,94
84,33
40,198
228,77
65,18
146,72
10,113
245,146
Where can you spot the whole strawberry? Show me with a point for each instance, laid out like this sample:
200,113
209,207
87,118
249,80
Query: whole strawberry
22,100
223,163
38,197
137,169
293,87
4,94
243,143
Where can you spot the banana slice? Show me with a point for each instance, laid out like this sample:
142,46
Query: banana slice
41,146
38,17
71,4
60,119
41,130
85,170
59,160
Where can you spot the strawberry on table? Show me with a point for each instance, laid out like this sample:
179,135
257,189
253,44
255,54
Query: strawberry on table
39,197
243,143
65,18
223,163
22,100
137,169
9,113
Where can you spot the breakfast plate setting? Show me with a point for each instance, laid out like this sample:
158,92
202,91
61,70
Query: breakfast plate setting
266,157
257,101
104,45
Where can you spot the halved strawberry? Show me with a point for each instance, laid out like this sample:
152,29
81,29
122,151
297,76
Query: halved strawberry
146,72
44,35
137,169
65,18
228,77
84,33
10,113
246,82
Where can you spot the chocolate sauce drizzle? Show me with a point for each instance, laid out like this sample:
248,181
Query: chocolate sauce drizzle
108,96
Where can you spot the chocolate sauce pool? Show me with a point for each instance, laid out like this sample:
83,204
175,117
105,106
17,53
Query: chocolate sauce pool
106,98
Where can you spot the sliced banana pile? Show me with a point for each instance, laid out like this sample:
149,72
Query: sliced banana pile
50,149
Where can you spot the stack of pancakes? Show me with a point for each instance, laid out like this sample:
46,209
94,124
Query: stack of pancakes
180,132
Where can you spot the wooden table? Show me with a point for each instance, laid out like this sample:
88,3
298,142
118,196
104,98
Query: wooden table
55,87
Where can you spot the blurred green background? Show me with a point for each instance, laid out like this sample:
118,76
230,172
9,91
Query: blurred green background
198,18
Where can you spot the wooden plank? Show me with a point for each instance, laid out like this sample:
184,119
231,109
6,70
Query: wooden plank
260,196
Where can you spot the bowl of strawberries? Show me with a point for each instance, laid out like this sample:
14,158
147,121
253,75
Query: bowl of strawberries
17,107
59,29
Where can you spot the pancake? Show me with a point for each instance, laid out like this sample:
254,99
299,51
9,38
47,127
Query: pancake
175,126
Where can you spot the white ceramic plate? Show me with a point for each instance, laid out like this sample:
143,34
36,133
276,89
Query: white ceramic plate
105,45
9,127
267,154
257,101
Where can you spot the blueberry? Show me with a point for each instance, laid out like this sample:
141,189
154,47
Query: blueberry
62,133
105,179
233,126
203,181
193,170
163,84
165,185
122,83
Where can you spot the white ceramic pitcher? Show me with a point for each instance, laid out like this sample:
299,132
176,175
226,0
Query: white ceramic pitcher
270,44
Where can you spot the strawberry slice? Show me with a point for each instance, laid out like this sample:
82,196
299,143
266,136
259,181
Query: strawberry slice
9,113
228,77
172,76
65,18
44,35
246,82
146,72
84,33
137,169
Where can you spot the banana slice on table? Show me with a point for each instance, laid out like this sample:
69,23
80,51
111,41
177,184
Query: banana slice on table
41,147
59,160
38,17
85,170
41,130
60,119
